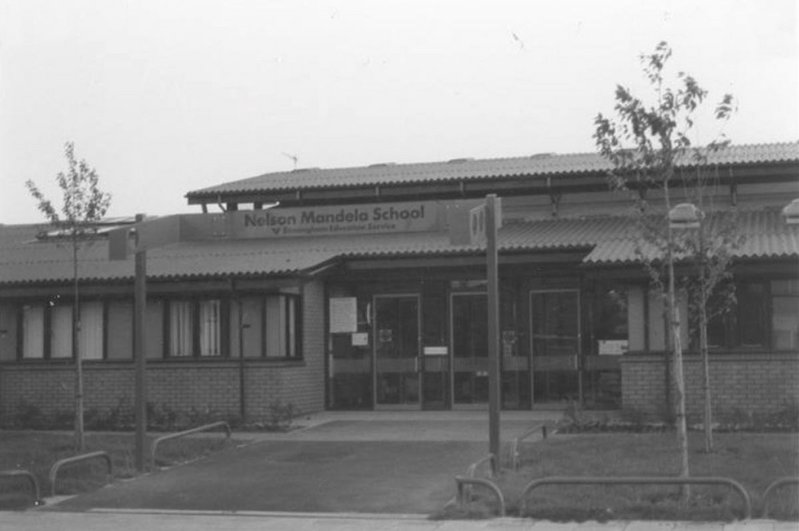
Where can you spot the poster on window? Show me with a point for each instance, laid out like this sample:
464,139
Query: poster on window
612,347
343,315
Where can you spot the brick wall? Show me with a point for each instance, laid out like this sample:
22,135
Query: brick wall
181,385
753,383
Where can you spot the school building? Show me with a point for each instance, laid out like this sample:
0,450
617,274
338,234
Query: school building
365,288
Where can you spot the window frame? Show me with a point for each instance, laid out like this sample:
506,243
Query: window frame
730,325
195,333
48,308
289,325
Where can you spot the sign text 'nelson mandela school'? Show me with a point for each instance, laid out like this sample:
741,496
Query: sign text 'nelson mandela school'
383,217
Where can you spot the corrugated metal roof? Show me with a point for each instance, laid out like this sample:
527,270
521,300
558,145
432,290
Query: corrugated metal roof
606,240
23,259
468,169
765,235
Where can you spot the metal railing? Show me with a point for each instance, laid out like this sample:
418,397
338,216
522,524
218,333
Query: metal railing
37,499
462,482
515,443
636,480
781,482
490,458
206,427
75,459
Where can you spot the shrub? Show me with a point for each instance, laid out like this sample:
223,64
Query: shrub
28,416
280,415
783,419
161,417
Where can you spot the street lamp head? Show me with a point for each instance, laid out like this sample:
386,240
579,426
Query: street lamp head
685,216
791,212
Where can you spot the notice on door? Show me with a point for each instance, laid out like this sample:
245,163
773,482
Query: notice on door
343,315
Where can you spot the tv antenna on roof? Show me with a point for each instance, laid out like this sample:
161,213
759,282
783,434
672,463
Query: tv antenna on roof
294,158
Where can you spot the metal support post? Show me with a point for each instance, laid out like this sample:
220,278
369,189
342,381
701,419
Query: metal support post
493,325
139,340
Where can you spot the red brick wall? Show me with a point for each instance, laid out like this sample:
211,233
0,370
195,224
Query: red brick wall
753,383
181,385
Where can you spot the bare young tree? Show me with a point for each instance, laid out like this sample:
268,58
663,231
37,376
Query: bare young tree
709,245
83,205
645,143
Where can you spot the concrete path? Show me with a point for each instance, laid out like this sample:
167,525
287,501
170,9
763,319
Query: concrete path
199,521
461,426
326,442
386,462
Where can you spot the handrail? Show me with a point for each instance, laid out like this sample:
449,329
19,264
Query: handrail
37,499
777,483
637,480
74,459
472,470
461,481
514,444
205,427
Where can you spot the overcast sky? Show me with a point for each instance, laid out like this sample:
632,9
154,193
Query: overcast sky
163,97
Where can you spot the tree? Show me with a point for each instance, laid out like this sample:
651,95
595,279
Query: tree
646,143
710,246
83,206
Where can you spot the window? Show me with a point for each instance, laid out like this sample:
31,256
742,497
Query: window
751,315
738,324
35,318
610,320
210,328
785,314
33,331
195,328
181,321
765,315
281,324
90,337
60,331
270,326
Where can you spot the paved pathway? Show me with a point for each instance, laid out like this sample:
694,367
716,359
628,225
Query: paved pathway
198,521
460,435
387,462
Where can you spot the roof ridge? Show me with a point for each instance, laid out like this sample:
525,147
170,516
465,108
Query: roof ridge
549,164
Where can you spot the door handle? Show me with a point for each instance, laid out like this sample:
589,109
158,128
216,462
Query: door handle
416,364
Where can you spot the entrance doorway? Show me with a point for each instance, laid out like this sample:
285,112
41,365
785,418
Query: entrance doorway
469,326
396,351
555,344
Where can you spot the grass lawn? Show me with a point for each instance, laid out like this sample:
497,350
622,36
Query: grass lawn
752,459
37,451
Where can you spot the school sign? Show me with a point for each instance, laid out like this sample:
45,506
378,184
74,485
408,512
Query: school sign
377,218
354,219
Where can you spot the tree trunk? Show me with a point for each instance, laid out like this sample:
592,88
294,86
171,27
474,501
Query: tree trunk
679,384
708,421
679,374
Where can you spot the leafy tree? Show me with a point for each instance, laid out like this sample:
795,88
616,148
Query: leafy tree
82,207
647,143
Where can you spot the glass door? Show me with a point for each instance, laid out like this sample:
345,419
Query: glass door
469,349
396,348
555,333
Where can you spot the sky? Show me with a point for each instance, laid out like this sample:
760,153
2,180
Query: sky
163,97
